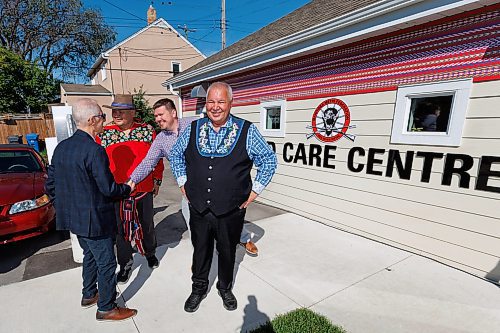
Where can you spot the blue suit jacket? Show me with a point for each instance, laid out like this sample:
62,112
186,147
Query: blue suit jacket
83,187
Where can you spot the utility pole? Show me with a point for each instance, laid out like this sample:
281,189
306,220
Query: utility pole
186,30
223,24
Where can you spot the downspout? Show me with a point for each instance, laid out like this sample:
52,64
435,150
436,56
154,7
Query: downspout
179,112
111,78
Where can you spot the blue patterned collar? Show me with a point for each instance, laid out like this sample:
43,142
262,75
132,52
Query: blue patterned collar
230,134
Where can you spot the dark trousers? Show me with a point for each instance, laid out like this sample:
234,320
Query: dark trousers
99,266
124,249
225,230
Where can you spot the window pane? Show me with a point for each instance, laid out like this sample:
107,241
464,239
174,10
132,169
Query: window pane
430,114
18,161
273,115
176,68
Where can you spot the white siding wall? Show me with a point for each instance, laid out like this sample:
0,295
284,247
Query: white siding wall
454,225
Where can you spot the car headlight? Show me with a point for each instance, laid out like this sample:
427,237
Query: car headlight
25,205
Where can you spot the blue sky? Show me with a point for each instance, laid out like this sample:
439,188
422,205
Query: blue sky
243,17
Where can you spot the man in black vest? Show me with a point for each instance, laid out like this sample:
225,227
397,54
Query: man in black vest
211,162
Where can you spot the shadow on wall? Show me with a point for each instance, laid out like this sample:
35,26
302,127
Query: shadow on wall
494,274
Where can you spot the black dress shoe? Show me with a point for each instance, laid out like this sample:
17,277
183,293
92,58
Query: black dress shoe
228,300
123,275
193,302
153,262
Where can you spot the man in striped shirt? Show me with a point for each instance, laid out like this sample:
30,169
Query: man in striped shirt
166,117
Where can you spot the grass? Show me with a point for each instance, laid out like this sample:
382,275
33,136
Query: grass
43,153
43,150
299,321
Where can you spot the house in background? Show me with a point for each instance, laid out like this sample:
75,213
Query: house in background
72,92
384,116
141,60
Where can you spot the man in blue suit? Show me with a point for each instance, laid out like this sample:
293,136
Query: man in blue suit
81,183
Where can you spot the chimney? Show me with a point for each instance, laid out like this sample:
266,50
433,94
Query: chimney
151,14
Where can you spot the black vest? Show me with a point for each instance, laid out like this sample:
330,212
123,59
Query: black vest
218,182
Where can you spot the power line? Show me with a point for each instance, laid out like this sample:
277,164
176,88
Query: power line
186,29
261,9
141,18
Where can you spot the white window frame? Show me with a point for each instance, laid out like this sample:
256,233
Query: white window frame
277,133
104,75
460,89
172,66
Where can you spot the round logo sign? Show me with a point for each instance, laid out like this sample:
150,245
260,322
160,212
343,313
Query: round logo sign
330,120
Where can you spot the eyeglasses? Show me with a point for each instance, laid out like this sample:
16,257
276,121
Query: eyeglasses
102,115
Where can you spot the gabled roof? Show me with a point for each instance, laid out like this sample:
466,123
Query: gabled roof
318,25
309,15
85,89
161,23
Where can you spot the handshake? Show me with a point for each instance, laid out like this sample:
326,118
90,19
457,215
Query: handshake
131,184
156,187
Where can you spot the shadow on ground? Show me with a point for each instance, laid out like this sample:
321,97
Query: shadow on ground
13,254
168,235
252,317
257,233
494,275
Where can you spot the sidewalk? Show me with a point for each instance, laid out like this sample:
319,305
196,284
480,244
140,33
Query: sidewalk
362,285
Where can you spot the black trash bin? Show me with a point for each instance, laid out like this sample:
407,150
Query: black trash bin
15,138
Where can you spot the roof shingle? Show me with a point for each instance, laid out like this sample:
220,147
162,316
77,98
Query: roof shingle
309,15
85,88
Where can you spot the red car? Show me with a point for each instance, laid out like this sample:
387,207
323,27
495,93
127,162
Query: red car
25,209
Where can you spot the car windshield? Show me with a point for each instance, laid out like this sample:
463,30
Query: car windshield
18,161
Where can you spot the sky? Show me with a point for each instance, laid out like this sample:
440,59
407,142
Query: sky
243,17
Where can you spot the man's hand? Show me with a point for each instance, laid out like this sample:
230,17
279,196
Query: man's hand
183,191
132,185
156,189
251,198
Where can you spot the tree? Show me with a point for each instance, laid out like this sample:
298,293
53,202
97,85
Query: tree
54,33
143,110
23,85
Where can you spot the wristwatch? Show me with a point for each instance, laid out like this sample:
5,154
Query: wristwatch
157,182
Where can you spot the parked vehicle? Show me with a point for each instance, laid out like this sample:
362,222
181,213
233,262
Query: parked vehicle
25,209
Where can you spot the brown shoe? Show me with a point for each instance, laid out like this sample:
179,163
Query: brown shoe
251,248
89,302
116,314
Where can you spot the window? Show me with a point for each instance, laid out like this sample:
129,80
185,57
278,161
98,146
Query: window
103,72
18,161
272,118
431,114
176,68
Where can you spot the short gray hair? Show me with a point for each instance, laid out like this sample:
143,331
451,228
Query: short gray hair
222,84
84,109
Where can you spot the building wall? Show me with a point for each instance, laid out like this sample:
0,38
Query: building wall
457,225
146,60
101,100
